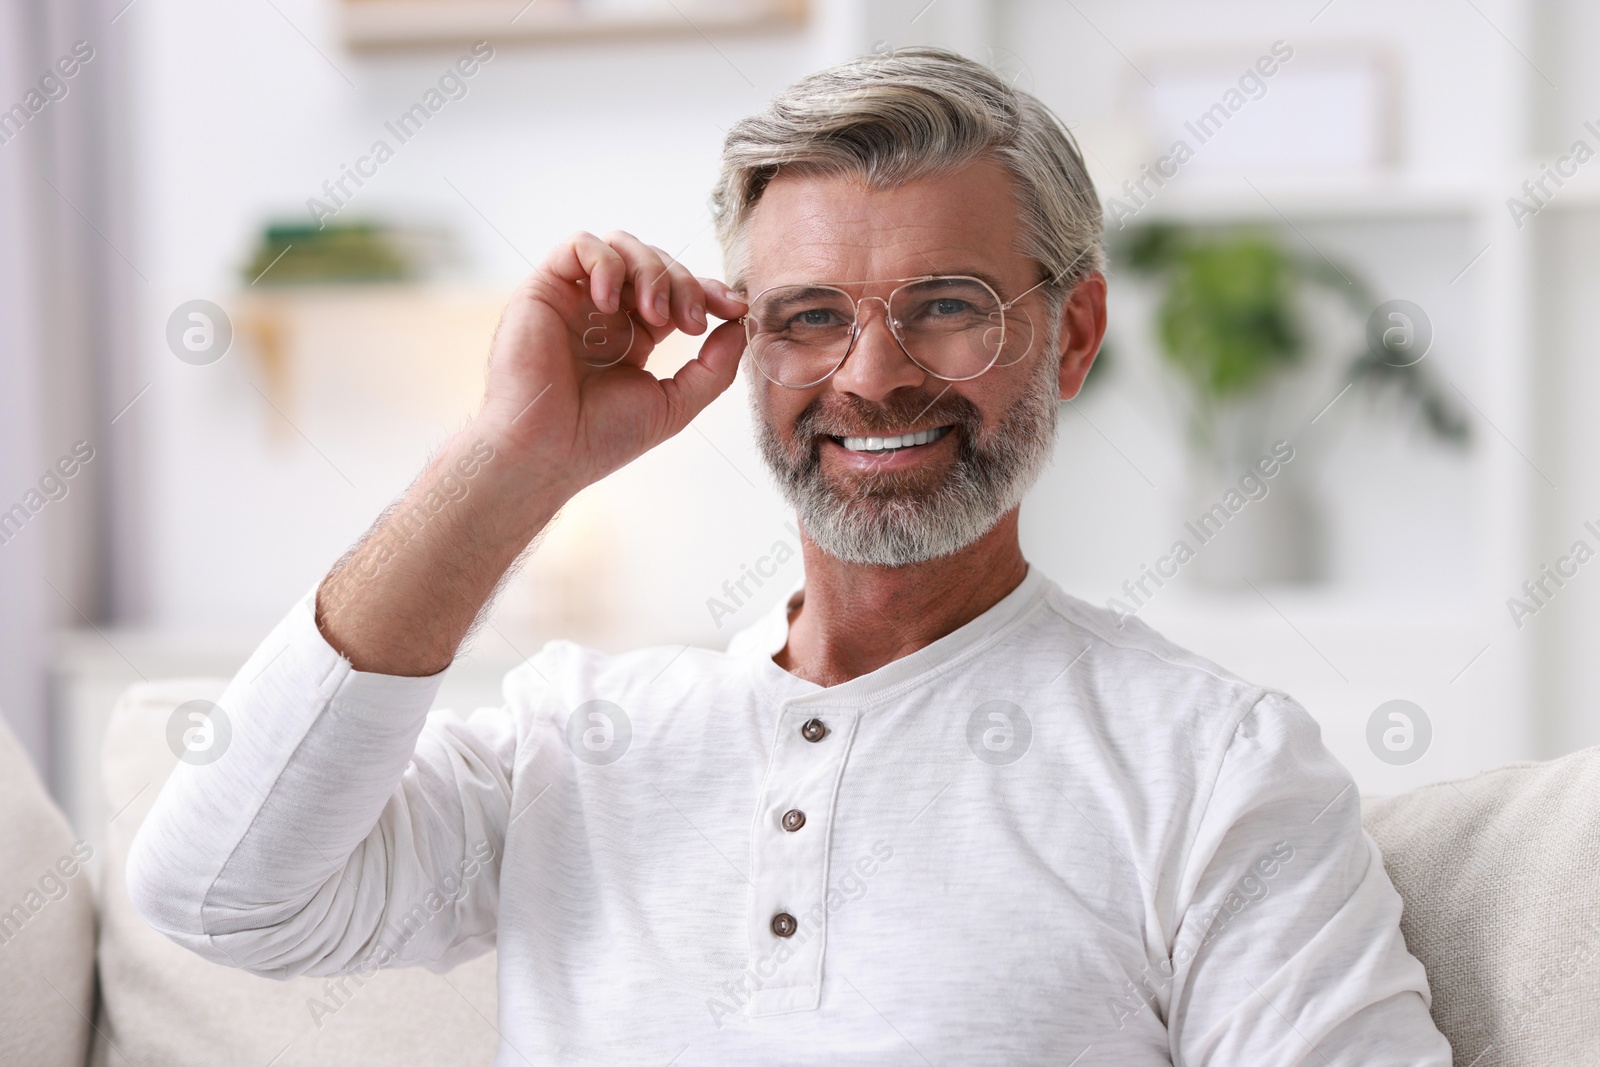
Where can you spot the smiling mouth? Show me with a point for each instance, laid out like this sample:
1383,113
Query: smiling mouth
882,445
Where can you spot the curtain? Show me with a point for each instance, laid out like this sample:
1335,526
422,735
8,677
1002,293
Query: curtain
65,345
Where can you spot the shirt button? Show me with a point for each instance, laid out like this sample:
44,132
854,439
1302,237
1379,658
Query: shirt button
793,819
813,730
783,924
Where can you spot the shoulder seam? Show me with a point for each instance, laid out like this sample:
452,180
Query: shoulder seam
1206,786
1241,684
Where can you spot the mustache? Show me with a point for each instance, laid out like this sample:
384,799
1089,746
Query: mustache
840,415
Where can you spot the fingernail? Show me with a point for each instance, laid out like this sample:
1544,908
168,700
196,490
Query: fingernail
698,314
661,306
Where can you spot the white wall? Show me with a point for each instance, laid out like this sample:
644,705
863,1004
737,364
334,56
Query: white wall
1567,386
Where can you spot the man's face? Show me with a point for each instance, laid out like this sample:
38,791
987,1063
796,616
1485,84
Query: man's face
994,433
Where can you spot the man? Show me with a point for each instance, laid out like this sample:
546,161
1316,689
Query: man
930,810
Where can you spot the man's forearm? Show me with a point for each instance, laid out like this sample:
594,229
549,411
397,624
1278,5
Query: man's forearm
402,601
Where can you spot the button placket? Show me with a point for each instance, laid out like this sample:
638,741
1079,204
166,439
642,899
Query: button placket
789,857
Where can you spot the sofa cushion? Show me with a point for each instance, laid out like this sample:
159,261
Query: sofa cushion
46,922
164,1005
1500,875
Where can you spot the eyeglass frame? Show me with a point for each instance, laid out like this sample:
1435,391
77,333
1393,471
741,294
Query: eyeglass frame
856,327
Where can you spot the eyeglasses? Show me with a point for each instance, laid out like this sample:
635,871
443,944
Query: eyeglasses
954,327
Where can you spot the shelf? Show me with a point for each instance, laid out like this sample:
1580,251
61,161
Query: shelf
414,346
1343,656
1239,199
1580,192
377,24
1395,195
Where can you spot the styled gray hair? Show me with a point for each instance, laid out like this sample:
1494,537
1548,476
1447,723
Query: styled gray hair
908,114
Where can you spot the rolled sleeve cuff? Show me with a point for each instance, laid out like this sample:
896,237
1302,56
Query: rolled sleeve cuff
300,666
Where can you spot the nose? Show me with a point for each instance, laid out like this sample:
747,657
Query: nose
877,365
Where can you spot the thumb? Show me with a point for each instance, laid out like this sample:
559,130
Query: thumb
707,376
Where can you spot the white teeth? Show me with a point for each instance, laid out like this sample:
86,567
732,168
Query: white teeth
888,444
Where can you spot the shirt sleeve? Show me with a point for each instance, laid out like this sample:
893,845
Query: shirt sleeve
343,827
1288,947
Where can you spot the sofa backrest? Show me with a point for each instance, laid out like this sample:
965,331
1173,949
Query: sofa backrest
1500,875
163,1004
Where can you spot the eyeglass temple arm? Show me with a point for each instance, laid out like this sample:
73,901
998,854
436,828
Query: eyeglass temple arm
1009,304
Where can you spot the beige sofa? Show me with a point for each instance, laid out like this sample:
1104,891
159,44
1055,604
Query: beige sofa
1500,875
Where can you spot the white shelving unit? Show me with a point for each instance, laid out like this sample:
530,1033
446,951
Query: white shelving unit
1344,647
1442,639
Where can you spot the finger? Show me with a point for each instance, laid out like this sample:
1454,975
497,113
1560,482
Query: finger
618,338
688,298
587,260
707,376
723,302
652,288
649,333
680,319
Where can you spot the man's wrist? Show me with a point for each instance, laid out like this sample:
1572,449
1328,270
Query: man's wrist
435,557
527,486
515,459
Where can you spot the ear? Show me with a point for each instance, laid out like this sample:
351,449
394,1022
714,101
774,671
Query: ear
1083,326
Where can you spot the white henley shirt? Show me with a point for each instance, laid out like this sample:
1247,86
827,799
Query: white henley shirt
1040,839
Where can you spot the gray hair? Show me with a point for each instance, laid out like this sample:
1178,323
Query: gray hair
908,114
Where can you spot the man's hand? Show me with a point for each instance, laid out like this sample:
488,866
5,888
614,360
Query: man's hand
546,402
552,422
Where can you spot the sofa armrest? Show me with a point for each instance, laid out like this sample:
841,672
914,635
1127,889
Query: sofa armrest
47,922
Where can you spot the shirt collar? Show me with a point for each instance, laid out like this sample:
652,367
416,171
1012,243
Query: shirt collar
761,640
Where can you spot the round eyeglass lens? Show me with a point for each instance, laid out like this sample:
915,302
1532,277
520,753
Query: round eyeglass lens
798,334
953,327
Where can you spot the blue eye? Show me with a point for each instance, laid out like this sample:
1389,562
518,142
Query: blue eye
950,306
815,317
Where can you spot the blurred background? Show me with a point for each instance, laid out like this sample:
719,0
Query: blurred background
253,254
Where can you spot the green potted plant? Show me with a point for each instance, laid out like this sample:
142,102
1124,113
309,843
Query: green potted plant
1230,324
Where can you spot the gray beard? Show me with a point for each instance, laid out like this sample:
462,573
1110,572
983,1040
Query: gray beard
883,521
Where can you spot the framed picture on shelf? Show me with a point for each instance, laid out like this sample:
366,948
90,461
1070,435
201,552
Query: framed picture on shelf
1327,110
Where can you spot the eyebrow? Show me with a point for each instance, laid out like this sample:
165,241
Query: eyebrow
975,272
812,287
806,292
